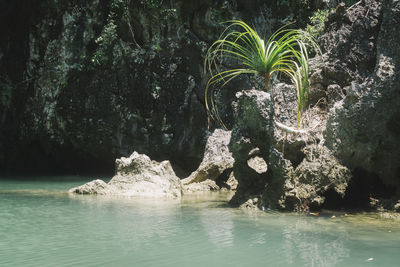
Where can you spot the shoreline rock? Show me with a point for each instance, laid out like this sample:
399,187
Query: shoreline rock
216,166
137,175
290,173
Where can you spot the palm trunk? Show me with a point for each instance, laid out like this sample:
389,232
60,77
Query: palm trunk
277,123
266,82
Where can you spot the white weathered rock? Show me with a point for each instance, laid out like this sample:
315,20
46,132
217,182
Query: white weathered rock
217,158
232,183
258,164
95,187
207,185
137,175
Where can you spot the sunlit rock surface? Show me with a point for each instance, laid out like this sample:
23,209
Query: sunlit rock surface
137,175
275,170
363,129
217,161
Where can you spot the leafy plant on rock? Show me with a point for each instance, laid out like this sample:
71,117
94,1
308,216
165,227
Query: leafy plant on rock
317,23
284,52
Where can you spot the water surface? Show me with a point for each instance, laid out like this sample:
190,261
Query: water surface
41,225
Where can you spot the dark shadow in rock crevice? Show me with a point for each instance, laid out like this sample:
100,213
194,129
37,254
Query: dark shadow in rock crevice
223,178
179,171
363,186
293,152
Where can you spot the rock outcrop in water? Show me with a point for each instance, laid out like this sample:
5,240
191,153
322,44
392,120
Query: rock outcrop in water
350,150
137,175
216,166
84,83
299,170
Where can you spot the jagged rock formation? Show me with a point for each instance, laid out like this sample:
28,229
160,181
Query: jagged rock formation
137,175
83,83
350,150
216,166
299,169
363,129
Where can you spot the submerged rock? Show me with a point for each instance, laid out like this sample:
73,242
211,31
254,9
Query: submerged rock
137,175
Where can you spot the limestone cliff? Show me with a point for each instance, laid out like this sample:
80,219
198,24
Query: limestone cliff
85,82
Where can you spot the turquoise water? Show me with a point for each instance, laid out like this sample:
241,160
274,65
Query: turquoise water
41,225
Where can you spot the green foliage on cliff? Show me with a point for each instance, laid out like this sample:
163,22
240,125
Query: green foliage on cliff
151,3
285,52
291,2
105,42
317,23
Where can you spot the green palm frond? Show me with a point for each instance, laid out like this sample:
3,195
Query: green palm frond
285,51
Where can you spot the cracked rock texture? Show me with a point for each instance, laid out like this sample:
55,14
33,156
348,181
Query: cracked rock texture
217,162
296,176
363,129
85,82
137,176
350,150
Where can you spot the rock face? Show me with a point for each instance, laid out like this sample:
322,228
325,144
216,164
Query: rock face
253,130
83,83
137,175
203,186
350,150
349,44
363,129
319,172
217,161
298,172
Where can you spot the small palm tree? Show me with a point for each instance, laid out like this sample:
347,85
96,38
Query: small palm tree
285,51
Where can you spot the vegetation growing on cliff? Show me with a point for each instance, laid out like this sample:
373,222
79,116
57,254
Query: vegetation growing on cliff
284,52
317,23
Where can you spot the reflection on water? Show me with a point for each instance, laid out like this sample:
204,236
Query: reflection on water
45,226
218,225
314,245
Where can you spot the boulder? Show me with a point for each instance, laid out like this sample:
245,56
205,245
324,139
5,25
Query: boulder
217,161
137,175
251,136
